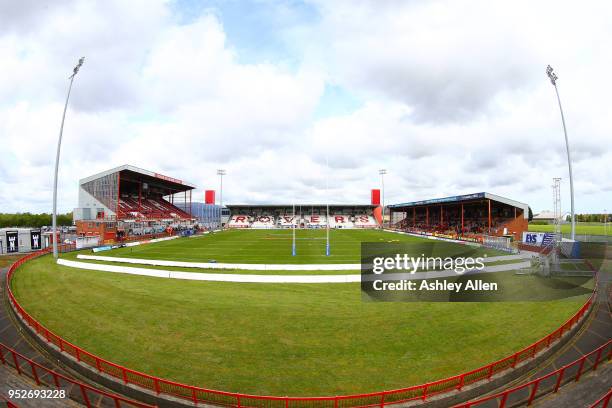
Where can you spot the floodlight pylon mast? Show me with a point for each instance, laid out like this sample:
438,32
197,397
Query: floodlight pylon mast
382,173
57,157
553,79
221,173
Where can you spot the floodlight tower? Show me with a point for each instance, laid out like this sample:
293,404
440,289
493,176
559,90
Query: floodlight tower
57,156
382,173
553,79
221,173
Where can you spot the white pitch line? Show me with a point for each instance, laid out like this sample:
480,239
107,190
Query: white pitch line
243,278
255,267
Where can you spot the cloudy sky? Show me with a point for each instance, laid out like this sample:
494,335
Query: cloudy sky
451,97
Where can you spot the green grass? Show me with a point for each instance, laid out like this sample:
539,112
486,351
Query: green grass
276,339
274,246
582,228
6,260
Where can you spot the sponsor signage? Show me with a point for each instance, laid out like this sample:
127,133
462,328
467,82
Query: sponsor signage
375,199
537,238
12,241
35,239
209,197
102,248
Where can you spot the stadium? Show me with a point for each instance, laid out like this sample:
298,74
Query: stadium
185,303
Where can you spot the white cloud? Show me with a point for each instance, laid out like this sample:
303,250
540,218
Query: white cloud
453,100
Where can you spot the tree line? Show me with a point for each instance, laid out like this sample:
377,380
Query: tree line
591,217
32,220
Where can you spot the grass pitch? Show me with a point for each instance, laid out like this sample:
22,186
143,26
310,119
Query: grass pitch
274,247
275,339
582,228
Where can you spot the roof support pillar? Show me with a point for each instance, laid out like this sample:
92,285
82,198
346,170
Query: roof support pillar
461,218
489,203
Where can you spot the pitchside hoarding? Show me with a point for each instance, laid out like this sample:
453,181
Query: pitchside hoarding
35,239
12,242
537,238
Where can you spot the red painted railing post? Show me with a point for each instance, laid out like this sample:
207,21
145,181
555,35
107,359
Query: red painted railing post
502,403
597,359
490,373
56,380
117,403
238,401
78,354
2,356
85,397
515,360
534,390
98,364
156,384
559,380
193,396
124,374
16,362
336,402
382,399
461,382
286,402
580,368
34,373
607,400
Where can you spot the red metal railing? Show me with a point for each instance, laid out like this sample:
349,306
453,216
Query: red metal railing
76,390
197,395
603,401
8,403
526,393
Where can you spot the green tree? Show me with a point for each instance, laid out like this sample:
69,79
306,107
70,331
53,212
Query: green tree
27,219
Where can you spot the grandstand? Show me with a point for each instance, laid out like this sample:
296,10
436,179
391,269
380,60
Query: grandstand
127,201
467,217
306,216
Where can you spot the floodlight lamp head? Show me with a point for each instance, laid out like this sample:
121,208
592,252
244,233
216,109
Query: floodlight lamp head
77,67
553,77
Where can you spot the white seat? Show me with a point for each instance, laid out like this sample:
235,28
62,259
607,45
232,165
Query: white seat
365,221
239,221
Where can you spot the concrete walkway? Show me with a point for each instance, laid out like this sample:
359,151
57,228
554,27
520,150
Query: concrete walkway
596,331
11,336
